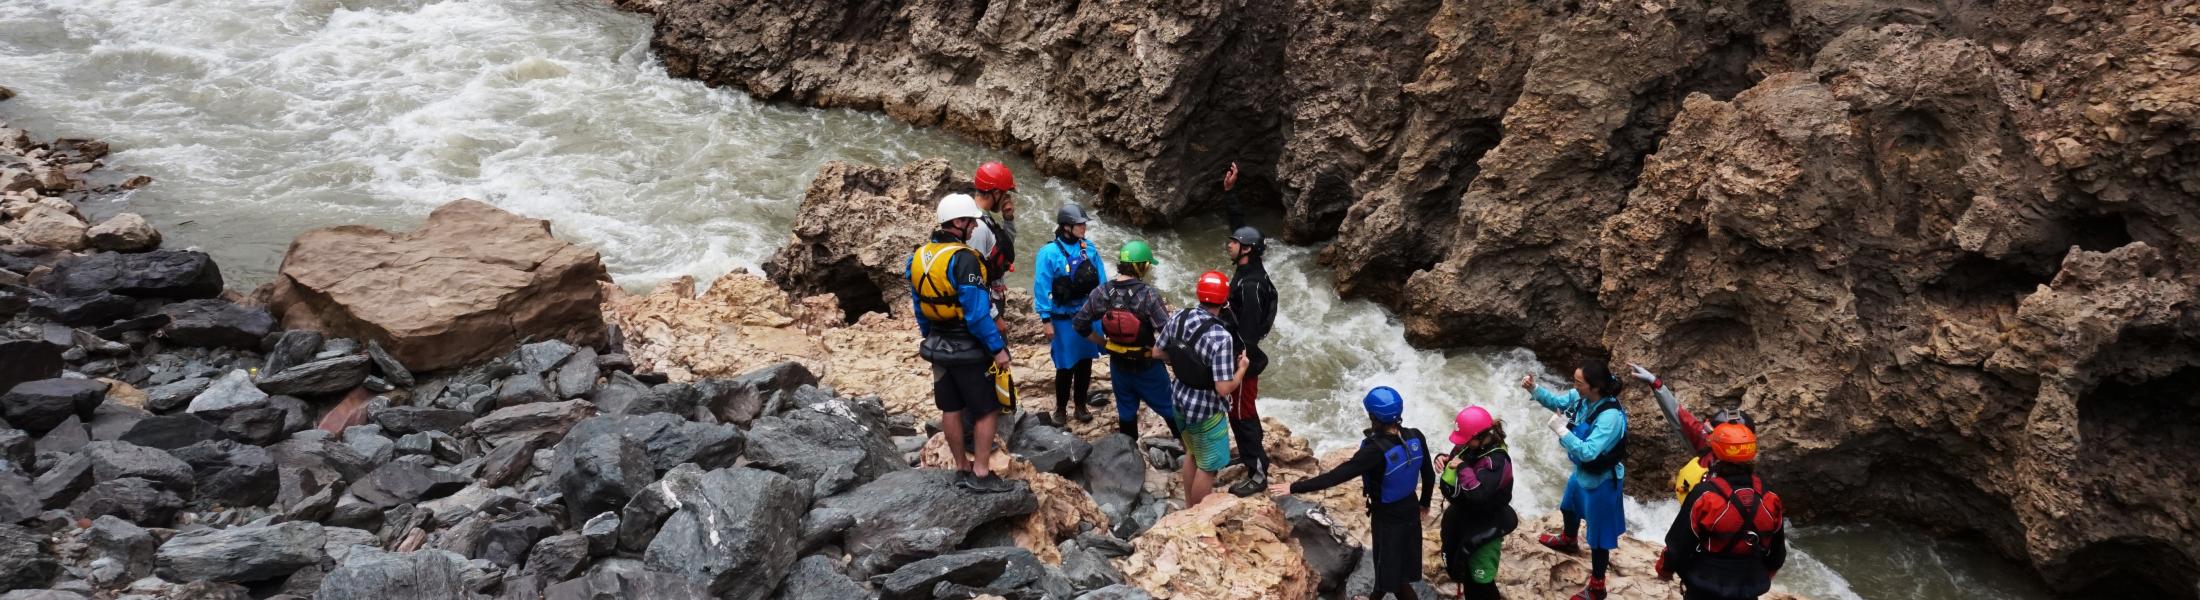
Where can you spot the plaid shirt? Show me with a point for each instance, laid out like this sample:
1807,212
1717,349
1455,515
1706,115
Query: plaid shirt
1216,347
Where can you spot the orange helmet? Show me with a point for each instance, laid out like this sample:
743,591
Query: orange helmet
1214,288
1734,443
994,177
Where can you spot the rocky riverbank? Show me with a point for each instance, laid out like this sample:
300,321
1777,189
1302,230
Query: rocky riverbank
1943,251
471,409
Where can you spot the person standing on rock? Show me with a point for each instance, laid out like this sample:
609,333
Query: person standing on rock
1392,461
1592,428
1209,368
1696,432
1129,313
1730,538
1250,315
1069,269
961,340
995,237
1476,479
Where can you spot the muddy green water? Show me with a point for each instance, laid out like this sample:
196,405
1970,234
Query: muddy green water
262,118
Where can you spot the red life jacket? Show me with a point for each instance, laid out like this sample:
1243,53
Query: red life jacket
1733,522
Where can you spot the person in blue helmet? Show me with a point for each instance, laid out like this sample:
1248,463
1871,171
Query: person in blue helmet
1592,428
1392,461
1069,269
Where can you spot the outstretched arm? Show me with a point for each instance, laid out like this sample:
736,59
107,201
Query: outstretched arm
1367,459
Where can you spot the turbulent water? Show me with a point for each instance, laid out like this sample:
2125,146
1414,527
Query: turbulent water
262,118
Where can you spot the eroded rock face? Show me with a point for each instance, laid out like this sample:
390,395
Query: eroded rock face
468,285
1825,211
855,230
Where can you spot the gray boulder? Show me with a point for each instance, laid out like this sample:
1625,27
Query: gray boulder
39,406
230,473
623,578
405,420
25,562
138,500
643,515
19,499
742,399
524,388
733,535
999,568
547,420
818,578
510,536
27,360
241,554
392,371
832,448
619,391
405,483
172,274
1115,473
117,460
599,473
916,509
320,377
214,323
64,480
670,440
292,348
576,377
168,396
233,392
131,546
540,357
1117,592
84,311
369,573
169,432
1049,449
1329,552
67,438
559,557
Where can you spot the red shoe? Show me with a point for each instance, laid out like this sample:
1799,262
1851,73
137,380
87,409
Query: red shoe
1595,590
1563,543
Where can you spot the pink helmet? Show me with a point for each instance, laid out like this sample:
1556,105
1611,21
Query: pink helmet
1472,422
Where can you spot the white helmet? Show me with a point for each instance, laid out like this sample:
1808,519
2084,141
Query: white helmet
957,206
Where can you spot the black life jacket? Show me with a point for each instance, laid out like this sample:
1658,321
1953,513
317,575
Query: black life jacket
1077,279
1191,368
1603,463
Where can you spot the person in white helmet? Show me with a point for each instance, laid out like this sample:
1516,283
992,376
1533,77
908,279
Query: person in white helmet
954,312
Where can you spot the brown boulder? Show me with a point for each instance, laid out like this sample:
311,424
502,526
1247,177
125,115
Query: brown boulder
126,232
1224,548
854,233
469,284
46,225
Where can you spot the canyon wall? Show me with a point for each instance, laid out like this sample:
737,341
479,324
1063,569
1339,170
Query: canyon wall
1944,249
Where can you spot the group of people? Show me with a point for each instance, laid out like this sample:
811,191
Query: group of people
1198,369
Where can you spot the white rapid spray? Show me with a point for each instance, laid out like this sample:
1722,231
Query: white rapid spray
262,118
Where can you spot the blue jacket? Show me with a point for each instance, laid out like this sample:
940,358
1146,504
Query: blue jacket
1587,440
977,304
1053,261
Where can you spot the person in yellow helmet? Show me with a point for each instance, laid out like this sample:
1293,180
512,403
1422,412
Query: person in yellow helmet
1695,431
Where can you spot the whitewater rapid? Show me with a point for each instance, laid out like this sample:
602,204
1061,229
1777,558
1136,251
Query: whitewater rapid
262,118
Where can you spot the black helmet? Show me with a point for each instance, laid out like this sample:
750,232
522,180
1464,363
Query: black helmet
1070,214
1247,236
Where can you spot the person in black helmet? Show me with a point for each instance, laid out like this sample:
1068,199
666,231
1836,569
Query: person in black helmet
1069,269
1250,315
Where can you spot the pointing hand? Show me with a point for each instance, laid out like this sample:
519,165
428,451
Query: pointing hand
1641,373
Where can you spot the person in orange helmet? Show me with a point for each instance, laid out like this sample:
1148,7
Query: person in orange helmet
1730,537
1209,366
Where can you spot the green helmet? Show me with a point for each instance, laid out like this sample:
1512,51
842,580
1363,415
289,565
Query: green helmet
1136,252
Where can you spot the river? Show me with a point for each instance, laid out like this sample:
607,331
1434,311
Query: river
260,119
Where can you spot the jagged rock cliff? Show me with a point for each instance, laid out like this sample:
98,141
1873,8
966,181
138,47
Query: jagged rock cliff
1946,249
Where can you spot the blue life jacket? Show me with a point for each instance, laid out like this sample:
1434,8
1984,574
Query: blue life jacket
1585,421
1401,474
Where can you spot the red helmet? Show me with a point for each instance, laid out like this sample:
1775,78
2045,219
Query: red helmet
994,177
1214,288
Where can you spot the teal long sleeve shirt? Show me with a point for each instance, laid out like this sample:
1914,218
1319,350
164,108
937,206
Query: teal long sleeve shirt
1586,441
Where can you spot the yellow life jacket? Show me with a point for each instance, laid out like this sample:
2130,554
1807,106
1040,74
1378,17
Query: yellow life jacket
1687,478
938,297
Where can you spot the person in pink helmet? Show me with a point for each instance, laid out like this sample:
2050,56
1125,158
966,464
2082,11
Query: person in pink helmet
1477,483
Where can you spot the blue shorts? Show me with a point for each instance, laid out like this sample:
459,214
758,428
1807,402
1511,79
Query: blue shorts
1149,385
1207,443
1603,507
1068,347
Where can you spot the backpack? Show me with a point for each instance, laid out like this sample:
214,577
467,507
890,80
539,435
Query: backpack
1733,522
1077,280
1128,334
1191,368
1604,463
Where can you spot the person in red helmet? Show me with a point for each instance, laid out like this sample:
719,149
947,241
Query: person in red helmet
995,240
1730,538
1209,367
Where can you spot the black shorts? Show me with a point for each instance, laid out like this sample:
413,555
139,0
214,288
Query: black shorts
964,388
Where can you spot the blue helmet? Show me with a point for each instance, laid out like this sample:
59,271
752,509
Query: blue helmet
1385,405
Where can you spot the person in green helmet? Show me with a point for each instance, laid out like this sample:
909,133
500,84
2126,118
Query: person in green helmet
1128,313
